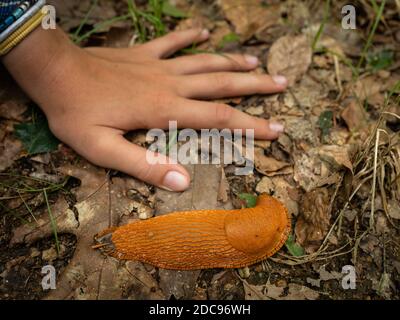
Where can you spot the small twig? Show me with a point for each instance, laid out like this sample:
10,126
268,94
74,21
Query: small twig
337,73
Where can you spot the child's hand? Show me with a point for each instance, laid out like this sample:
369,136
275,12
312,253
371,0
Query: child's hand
93,96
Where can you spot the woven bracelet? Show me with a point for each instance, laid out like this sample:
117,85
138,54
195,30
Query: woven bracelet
21,33
16,24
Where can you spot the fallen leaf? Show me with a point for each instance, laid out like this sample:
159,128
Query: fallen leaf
10,150
226,284
268,165
36,136
327,275
337,156
255,111
262,292
394,209
314,219
368,89
300,129
280,189
354,115
290,56
12,110
249,16
299,292
319,166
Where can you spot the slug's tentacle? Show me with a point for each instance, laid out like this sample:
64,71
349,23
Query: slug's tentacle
202,239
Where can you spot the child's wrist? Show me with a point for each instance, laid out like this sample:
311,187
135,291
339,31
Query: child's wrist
38,60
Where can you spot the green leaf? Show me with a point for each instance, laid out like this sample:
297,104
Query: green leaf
325,122
293,248
381,60
36,136
250,199
172,11
229,38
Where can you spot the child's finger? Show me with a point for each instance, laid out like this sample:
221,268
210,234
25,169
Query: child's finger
112,150
206,115
206,63
174,41
225,84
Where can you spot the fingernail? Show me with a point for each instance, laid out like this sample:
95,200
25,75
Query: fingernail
204,34
276,127
252,60
280,80
175,181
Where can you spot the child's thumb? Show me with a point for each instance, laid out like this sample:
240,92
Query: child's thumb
117,153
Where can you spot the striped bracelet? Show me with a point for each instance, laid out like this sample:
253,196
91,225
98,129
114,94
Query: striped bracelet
15,15
19,35
22,18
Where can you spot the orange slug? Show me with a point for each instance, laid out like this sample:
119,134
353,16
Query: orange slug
202,239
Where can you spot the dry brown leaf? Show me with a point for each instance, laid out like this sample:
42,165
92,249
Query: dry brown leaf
279,188
290,56
368,88
308,93
249,16
268,165
300,129
314,219
324,275
255,111
12,110
336,156
394,209
318,166
10,150
262,292
309,170
354,115
299,292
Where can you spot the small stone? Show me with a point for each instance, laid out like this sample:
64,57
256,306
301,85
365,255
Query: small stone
244,273
144,212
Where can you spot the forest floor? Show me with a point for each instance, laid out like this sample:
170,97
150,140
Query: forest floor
336,167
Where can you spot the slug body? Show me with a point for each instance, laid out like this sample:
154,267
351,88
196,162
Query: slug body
203,239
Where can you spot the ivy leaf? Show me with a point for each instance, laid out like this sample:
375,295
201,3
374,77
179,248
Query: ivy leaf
36,136
293,248
325,122
251,200
172,11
